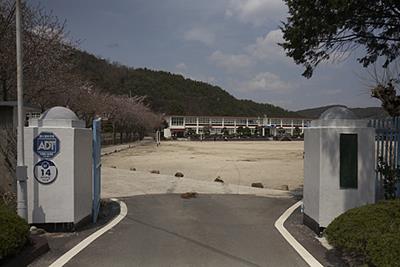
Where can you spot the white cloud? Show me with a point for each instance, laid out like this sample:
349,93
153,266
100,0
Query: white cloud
256,12
230,62
200,35
267,81
267,47
181,66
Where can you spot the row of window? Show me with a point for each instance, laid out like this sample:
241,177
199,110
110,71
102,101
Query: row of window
179,121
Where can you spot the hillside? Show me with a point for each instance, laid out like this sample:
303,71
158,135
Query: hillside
169,93
362,113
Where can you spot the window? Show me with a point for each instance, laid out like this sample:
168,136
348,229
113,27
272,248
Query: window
276,121
229,121
190,120
252,122
241,122
177,121
216,121
204,120
348,161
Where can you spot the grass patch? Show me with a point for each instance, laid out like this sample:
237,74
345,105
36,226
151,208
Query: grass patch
370,233
14,232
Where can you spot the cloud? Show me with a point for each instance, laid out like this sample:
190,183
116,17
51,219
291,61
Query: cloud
267,47
181,66
256,12
200,35
267,81
230,62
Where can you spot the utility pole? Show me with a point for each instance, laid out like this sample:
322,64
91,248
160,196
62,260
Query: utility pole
21,170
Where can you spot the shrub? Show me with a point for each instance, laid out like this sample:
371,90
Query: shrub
14,232
371,232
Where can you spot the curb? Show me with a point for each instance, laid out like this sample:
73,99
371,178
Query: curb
304,254
66,257
39,247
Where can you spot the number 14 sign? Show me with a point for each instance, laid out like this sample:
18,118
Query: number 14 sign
45,172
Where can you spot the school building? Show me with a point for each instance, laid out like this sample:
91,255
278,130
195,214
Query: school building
266,126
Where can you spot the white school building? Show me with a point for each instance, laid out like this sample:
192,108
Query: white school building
178,125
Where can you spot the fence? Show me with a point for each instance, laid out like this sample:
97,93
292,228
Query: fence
387,146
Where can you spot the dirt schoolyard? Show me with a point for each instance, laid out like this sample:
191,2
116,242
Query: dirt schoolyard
273,163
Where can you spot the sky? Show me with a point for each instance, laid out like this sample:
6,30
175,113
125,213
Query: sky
229,43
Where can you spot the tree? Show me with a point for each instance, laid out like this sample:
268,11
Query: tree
240,131
316,31
296,132
225,131
246,131
46,47
207,130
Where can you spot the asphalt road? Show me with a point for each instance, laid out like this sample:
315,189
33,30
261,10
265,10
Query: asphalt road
210,230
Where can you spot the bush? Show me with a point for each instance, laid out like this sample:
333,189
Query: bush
14,232
371,232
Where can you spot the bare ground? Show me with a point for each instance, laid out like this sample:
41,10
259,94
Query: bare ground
274,164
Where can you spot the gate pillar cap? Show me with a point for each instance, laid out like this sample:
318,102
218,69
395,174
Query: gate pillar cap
338,113
59,113
58,117
339,116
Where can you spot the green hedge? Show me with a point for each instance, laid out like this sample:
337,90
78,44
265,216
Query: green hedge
371,232
14,232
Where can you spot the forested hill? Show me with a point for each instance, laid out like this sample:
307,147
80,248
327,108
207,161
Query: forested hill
169,93
362,113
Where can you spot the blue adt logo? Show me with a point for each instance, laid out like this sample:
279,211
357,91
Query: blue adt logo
46,145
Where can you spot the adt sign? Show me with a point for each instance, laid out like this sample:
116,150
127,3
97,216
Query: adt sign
46,145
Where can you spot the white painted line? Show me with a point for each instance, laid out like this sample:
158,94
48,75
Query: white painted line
307,257
84,243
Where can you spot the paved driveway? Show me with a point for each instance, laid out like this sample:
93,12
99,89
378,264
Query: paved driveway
210,230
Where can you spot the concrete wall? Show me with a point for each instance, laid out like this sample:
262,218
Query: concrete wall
69,198
334,199
324,200
51,203
312,140
83,187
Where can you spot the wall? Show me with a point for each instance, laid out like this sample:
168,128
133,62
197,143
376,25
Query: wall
52,203
311,191
334,200
82,174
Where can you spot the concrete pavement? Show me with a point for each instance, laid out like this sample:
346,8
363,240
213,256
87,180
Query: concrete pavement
210,230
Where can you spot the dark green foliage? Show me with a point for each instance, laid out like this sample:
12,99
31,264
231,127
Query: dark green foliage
246,131
391,176
206,130
190,132
296,132
225,132
14,232
318,30
371,233
169,93
240,131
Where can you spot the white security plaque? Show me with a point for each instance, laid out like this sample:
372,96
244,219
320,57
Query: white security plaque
45,172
